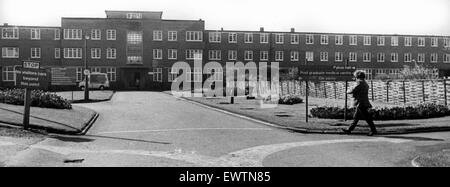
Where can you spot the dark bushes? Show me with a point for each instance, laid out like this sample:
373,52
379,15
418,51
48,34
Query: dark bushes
38,99
290,100
422,111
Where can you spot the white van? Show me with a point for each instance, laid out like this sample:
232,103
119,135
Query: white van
96,81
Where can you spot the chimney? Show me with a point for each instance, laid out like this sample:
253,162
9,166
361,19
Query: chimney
261,29
292,29
221,29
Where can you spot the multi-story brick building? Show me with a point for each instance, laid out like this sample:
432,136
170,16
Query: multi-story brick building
138,49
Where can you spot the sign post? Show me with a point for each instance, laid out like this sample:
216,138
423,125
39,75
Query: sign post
29,77
325,73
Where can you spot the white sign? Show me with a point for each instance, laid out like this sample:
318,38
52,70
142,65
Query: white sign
87,72
30,65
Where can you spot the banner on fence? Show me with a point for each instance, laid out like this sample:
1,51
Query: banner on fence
326,72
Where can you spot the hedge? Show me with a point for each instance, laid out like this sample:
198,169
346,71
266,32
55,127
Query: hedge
421,111
290,100
38,99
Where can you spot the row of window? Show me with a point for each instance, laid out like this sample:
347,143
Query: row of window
294,56
216,37
69,53
194,75
8,73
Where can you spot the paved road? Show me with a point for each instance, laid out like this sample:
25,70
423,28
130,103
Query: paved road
155,129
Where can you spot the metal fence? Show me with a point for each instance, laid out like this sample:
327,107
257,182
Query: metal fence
392,92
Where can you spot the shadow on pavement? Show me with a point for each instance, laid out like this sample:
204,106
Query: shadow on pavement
414,138
72,139
129,139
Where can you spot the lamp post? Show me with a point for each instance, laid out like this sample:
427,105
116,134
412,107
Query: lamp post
86,71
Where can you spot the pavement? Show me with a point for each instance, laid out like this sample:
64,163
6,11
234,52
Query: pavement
292,117
155,129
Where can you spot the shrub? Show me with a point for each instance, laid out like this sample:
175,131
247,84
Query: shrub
38,99
290,100
422,111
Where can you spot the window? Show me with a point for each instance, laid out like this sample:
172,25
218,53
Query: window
232,55
324,39
264,55
232,37
279,38
96,34
96,53
57,53
295,39
338,56
394,57
264,38
421,42
339,40
157,35
73,34
10,33
134,59
57,34
217,74
157,54
10,52
380,57
215,37
421,57
192,54
111,53
172,36
434,58
194,36
367,40
111,34
309,56
8,73
380,40
172,54
79,74
446,58
111,72
279,55
134,16
35,34
215,55
294,56
367,57
309,39
447,42
95,69
248,55
408,41
157,74
35,52
324,56
408,57
172,74
394,41
353,40
73,53
248,38
134,38
353,57
434,42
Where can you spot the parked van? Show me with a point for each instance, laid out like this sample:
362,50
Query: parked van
96,81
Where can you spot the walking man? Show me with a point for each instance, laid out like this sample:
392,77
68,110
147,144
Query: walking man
361,103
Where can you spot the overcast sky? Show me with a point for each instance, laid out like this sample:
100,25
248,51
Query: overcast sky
355,16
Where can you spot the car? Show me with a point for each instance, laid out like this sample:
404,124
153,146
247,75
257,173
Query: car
96,81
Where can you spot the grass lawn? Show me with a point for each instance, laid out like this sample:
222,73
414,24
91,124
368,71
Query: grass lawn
54,119
95,95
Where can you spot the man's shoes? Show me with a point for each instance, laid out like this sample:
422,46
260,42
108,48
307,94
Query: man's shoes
346,131
371,133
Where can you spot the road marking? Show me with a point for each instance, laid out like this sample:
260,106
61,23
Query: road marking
249,157
184,129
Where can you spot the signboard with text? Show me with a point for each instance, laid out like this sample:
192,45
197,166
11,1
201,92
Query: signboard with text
326,72
31,76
